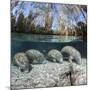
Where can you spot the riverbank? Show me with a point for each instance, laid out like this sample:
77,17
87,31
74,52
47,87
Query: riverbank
46,33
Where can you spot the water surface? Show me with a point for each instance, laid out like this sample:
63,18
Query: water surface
44,43
44,38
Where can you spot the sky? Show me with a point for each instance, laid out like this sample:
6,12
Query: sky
27,6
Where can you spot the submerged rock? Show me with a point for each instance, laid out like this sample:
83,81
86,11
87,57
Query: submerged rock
55,56
35,56
21,60
70,52
49,75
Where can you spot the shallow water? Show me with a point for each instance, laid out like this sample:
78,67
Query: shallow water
44,43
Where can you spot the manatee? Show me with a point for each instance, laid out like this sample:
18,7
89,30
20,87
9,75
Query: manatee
35,56
55,56
21,60
71,54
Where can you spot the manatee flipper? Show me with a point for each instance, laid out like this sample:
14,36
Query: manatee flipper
71,63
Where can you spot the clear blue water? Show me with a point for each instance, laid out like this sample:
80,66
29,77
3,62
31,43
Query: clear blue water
44,38
44,43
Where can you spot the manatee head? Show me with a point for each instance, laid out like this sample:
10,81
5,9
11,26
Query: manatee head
60,60
54,60
78,60
26,69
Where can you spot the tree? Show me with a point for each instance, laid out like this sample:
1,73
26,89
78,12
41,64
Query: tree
13,23
30,21
72,14
48,17
21,23
45,12
83,27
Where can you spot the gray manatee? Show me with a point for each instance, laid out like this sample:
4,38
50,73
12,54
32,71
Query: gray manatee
22,62
35,56
55,56
71,53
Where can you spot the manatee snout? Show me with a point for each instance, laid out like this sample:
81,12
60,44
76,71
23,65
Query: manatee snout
78,60
60,60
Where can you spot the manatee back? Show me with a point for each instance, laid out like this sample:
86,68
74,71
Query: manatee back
55,56
35,56
68,51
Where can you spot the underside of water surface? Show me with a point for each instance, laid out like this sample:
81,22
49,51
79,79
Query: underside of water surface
44,43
